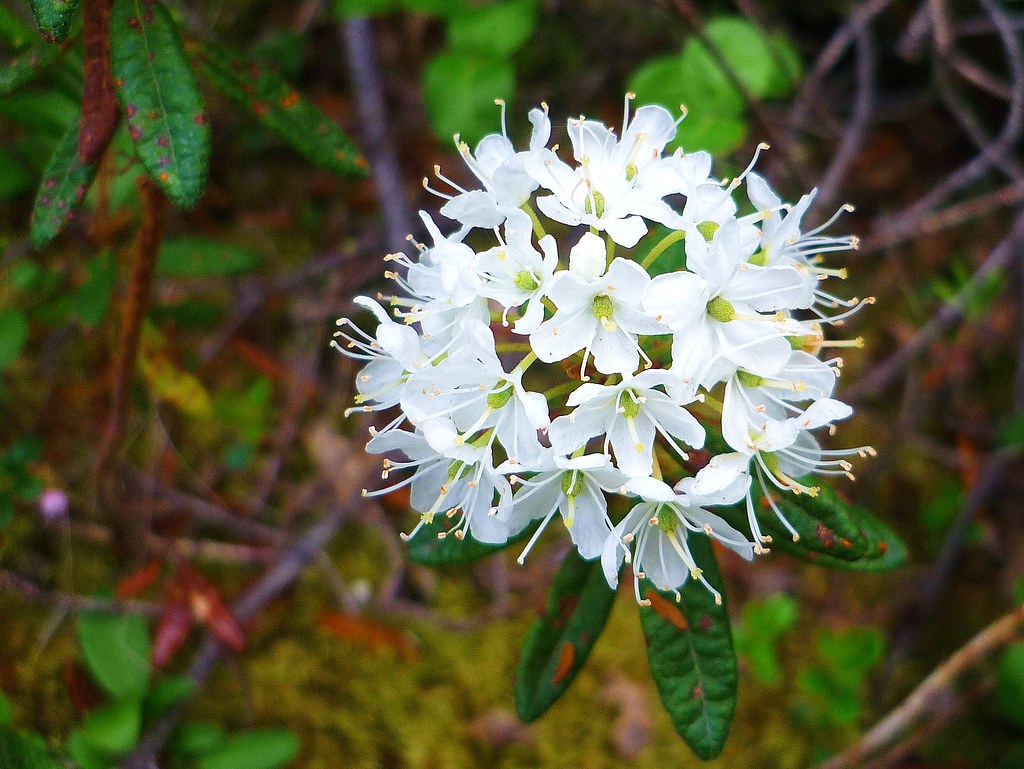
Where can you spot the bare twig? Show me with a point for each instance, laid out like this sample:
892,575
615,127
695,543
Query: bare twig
923,699
362,60
31,591
950,313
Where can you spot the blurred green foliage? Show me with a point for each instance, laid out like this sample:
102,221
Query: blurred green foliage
762,625
834,686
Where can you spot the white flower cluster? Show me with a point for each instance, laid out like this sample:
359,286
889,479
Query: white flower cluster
642,366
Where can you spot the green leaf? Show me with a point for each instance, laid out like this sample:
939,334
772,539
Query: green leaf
257,749
1010,684
361,9
115,728
84,755
493,31
190,257
278,106
48,114
65,181
54,17
833,532
762,623
28,448
91,299
459,91
27,66
117,652
196,739
788,70
161,100
166,694
13,335
6,712
16,752
13,31
690,653
745,48
15,178
559,641
427,549
6,510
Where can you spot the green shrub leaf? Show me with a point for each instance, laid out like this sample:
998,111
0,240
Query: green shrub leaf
560,639
459,90
690,653
188,257
496,30
27,66
114,729
160,97
53,17
117,652
278,106
13,335
16,752
64,184
258,749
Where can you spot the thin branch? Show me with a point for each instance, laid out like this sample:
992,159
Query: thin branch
362,60
921,702
30,591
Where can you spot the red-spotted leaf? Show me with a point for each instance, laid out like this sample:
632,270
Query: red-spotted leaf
560,639
54,17
27,66
832,532
64,184
690,653
160,98
277,105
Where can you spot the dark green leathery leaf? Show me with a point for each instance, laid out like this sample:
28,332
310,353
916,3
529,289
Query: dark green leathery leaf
278,106
27,66
53,17
559,641
691,656
160,98
64,185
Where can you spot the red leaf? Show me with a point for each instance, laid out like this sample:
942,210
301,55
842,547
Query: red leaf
171,631
99,99
138,581
367,632
81,691
209,609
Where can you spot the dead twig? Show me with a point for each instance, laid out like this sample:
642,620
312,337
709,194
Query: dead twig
922,701
30,591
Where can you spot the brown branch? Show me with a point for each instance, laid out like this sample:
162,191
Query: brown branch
30,591
99,99
922,701
147,244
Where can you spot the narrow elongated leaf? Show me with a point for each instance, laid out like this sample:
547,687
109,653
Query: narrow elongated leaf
54,17
202,257
27,66
427,549
160,98
13,31
13,335
64,185
690,653
277,105
833,532
559,641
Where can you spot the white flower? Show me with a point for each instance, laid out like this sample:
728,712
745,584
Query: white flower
630,414
611,189
751,400
714,309
459,482
394,352
515,274
653,535
575,489
501,170
471,391
600,316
